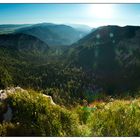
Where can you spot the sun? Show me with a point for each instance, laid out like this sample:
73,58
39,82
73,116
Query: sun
101,10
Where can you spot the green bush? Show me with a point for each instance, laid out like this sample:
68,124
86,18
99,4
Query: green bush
17,129
116,119
51,120
84,114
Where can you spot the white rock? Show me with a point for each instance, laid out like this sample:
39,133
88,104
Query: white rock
1,91
50,98
3,96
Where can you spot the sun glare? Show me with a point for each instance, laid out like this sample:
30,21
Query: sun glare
101,10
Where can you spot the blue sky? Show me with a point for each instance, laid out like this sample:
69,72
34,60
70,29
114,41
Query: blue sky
91,14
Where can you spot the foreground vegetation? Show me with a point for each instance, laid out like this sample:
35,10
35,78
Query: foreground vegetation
34,115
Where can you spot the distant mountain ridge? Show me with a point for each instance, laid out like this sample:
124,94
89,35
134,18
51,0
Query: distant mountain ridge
106,33
52,34
10,28
82,27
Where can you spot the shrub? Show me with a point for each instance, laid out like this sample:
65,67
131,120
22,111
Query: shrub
84,114
116,119
35,110
17,129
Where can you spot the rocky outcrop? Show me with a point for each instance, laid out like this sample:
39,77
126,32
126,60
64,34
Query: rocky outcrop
6,113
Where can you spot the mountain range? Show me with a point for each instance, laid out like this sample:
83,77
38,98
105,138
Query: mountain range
52,34
110,53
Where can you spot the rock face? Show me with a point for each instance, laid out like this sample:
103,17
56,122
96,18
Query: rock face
7,114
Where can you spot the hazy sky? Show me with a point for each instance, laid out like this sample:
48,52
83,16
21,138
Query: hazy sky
90,14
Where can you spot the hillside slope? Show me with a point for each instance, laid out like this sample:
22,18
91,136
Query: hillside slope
112,53
22,46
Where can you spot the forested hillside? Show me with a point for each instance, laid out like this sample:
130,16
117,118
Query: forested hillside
112,54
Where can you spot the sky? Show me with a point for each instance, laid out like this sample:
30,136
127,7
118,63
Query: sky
93,15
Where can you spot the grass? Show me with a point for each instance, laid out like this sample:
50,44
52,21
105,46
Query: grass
35,116
114,118
117,118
